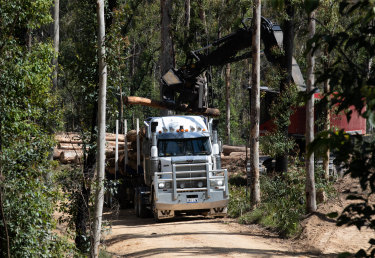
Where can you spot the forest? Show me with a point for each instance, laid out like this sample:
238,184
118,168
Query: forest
53,54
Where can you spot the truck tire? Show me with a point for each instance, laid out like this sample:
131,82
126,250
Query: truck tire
142,209
136,203
153,209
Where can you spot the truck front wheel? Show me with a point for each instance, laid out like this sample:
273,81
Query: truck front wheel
153,208
143,212
136,203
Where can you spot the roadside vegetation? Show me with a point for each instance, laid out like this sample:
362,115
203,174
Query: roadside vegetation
283,200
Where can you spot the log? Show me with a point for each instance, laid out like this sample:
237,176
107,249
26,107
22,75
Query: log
112,154
113,145
70,156
131,136
133,100
70,146
112,137
75,138
228,149
56,153
67,137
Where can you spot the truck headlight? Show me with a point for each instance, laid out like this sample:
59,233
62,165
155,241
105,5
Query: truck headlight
217,183
164,185
200,184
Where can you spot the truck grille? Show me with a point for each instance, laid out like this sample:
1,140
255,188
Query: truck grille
195,182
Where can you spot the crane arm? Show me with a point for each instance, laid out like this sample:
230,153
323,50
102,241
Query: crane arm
187,85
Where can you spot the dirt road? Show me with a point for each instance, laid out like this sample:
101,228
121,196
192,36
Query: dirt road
193,236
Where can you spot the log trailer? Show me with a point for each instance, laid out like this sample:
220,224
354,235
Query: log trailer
179,168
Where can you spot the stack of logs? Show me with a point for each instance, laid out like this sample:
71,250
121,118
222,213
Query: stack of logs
70,149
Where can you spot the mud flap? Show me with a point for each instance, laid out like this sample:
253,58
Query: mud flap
165,214
219,211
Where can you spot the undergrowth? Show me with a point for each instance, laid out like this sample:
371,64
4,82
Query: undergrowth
282,200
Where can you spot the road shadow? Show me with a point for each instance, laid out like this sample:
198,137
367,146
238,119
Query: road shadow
216,251
154,235
127,218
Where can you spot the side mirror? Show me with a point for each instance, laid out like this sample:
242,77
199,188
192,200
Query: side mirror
153,126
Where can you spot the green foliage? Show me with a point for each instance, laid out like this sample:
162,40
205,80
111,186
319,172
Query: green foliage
311,5
283,107
275,144
238,201
26,123
352,80
78,62
283,199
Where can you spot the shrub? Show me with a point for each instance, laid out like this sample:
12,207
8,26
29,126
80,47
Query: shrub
283,200
238,201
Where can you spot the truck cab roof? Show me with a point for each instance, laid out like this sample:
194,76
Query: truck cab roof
179,126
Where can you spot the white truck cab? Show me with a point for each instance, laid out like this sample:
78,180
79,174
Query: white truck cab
182,168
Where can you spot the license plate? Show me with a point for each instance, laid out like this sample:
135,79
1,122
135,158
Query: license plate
192,200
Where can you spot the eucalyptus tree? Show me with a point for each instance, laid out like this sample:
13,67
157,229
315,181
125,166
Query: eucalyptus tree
309,161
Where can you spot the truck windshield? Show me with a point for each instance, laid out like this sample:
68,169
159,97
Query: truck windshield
184,147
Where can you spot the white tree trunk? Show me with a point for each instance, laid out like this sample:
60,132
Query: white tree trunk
310,180
99,193
56,39
255,106
187,14
227,101
327,126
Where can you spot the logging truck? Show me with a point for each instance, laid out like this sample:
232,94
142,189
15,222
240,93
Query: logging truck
179,168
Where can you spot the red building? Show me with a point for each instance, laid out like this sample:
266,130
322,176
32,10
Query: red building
357,123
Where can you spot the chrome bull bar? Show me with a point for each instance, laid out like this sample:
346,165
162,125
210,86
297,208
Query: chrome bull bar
207,177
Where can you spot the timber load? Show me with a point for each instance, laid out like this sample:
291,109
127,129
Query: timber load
69,149
70,146
133,100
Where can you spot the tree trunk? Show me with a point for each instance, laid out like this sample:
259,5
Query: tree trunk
99,194
56,38
327,126
202,16
310,181
187,16
327,118
255,106
167,52
132,100
227,102
121,109
288,45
